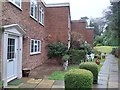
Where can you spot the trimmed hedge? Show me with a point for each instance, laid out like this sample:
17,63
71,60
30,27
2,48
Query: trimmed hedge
91,67
78,79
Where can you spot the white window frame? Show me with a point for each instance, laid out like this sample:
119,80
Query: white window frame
41,15
14,2
35,13
38,48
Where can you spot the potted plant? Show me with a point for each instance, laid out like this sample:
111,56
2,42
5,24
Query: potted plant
25,72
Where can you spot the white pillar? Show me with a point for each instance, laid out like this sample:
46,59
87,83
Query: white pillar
19,74
4,58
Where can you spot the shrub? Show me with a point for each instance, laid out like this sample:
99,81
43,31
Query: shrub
99,44
78,79
76,56
91,67
65,57
113,51
56,49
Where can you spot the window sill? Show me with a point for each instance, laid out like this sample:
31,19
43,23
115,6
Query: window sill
33,18
41,24
19,7
35,53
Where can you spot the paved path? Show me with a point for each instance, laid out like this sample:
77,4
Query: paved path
107,78
108,75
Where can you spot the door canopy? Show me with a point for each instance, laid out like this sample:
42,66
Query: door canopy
14,28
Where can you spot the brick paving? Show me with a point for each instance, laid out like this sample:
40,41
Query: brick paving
44,70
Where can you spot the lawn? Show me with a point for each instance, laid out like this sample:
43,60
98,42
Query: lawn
59,75
104,49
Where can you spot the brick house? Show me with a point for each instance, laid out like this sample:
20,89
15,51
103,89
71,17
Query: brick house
26,27
81,27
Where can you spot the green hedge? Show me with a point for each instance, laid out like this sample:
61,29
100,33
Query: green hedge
76,56
56,49
78,79
91,67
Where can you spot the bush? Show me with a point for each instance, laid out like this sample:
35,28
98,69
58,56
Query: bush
113,51
65,57
99,44
56,49
76,56
78,79
91,67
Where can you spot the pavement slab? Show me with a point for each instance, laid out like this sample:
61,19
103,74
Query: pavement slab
57,86
99,87
27,85
34,81
113,84
59,82
45,84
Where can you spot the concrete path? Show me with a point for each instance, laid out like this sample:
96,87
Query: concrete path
108,75
107,78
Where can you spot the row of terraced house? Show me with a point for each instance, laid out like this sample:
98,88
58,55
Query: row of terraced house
27,26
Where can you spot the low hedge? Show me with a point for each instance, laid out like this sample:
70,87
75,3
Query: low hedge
91,67
79,79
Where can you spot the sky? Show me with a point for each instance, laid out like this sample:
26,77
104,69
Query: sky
81,8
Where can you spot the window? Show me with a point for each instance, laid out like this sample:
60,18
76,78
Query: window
16,2
41,15
34,9
35,46
11,48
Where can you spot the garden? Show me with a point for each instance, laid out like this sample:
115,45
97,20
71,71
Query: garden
80,62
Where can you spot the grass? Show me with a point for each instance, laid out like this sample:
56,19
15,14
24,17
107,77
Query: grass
59,75
104,49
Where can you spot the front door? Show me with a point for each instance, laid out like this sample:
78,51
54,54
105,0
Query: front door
12,52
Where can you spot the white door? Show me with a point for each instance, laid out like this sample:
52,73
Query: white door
12,56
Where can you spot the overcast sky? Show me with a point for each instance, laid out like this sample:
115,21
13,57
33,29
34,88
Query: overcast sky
81,8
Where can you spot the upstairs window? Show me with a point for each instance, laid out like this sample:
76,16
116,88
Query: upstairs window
35,46
41,15
16,3
34,9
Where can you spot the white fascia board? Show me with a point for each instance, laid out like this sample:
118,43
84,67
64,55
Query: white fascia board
58,5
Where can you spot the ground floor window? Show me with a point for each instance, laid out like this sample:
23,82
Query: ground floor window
35,46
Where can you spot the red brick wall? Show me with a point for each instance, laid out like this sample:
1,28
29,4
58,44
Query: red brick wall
34,30
57,24
55,28
87,34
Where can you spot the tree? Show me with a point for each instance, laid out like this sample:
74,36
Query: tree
112,16
76,40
